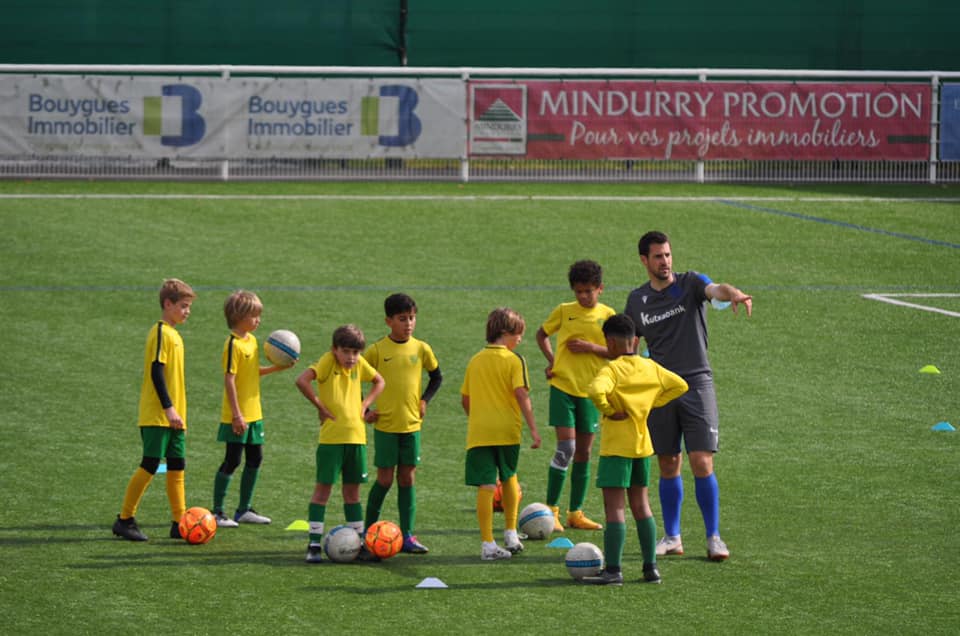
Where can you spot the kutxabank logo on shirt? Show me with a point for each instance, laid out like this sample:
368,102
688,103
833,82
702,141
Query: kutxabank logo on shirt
649,319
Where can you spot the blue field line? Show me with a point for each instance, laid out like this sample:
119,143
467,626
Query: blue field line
842,224
313,289
293,288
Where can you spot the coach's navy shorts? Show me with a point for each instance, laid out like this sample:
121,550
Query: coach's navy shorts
693,418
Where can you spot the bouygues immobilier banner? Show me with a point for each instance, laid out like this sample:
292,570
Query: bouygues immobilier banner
686,120
239,117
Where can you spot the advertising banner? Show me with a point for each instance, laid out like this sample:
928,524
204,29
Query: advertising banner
950,122
700,120
217,118
348,118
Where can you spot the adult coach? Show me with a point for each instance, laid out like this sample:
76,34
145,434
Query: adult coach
670,315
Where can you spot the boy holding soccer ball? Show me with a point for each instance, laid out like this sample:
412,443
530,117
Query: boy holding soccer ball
241,415
624,391
496,398
163,412
401,359
342,445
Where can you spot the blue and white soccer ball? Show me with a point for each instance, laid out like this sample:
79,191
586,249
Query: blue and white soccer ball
536,521
282,348
584,559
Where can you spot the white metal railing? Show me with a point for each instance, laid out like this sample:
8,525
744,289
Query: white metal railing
468,167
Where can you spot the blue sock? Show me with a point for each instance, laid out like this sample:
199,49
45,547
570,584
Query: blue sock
708,496
671,498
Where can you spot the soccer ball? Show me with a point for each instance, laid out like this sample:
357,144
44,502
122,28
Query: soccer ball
197,525
536,521
498,496
342,544
384,539
584,559
282,348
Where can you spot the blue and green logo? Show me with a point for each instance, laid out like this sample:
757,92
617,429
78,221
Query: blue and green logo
192,125
409,125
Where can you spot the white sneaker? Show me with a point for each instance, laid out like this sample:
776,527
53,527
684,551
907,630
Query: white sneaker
512,542
223,521
670,545
494,553
250,516
717,549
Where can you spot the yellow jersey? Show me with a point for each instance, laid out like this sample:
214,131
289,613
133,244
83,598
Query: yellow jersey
632,385
490,381
402,365
572,372
341,391
241,357
164,345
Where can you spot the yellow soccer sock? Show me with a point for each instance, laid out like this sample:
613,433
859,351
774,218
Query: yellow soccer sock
176,494
511,503
485,513
135,489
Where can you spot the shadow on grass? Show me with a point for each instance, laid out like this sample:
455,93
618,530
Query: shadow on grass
184,554
176,553
89,527
24,536
486,586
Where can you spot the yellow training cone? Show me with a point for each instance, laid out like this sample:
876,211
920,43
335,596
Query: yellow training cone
930,369
299,524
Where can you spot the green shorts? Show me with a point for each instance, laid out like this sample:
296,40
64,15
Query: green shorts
253,434
350,460
163,441
570,411
485,462
396,449
623,472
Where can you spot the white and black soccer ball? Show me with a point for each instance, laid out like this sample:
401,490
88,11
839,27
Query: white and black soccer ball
342,544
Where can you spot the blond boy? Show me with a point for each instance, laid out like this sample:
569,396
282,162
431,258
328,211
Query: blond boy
495,395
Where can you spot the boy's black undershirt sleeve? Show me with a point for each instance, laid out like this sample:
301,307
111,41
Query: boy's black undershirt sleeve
436,379
159,384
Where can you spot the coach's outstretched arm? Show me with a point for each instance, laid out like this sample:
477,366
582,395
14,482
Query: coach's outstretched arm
728,293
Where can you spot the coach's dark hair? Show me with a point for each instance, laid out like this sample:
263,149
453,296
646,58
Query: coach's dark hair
399,304
620,326
585,273
649,238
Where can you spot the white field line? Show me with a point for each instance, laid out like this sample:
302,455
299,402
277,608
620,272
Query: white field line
892,299
470,197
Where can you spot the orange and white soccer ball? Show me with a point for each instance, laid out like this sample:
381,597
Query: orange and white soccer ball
198,525
384,539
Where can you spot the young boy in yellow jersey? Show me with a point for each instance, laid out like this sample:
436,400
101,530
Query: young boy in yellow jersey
241,414
342,445
580,353
163,412
624,391
401,359
496,398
